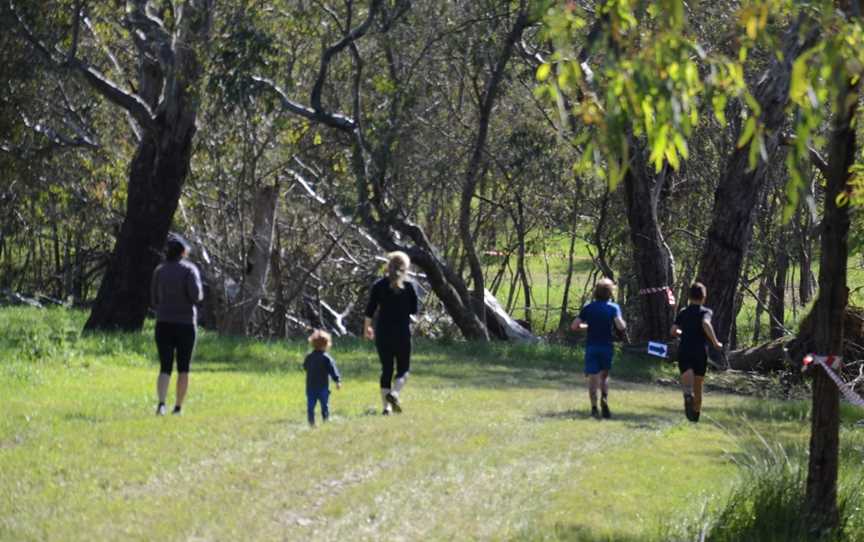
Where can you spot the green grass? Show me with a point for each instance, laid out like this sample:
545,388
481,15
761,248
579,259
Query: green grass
767,505
495,444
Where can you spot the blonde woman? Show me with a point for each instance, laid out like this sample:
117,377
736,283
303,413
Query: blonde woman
394,298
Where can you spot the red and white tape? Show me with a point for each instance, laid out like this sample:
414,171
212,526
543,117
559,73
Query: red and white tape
646,291
829,363
670,296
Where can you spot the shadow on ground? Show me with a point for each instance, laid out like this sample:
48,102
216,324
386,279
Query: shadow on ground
576,533
636,420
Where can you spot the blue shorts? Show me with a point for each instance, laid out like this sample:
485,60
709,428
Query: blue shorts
598,358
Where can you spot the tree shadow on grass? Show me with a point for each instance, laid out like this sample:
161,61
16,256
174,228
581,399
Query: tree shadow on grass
763,411
635,420
577,533
82,417
447,360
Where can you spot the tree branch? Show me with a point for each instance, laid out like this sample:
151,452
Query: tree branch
76,26
333,120
333,50
56,137
132,103
817,159
472,175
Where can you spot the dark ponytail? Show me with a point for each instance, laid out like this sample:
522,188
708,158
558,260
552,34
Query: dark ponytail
175,248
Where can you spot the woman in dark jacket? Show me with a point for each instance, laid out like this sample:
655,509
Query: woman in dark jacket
394,297
175,289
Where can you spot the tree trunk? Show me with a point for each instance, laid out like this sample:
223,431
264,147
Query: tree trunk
447,285
169,75
805,260
279,303
651,255
777,289
786,353
156,179
521,258
254,285
564,319
761,299
474,170
821,499
737,194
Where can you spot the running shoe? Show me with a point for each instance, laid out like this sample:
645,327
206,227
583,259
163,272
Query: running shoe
161,410
604,408
177,411
595,413
688,407
394,402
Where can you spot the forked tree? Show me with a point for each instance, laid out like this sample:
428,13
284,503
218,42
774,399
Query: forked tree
162,106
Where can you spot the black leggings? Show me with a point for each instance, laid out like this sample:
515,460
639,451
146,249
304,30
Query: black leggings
171,337
390,349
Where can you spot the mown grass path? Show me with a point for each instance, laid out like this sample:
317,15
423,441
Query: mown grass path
493,445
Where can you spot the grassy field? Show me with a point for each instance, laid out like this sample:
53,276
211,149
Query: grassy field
495,444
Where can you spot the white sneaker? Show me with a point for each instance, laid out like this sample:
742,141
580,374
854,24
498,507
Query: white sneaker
388,409
161,410
393,401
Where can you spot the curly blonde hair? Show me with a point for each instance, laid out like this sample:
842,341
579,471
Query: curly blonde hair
320,340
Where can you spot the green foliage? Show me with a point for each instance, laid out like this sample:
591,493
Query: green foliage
820,79
648,83
244,49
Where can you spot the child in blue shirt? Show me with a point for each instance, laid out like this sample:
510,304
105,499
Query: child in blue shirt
599,317
320,367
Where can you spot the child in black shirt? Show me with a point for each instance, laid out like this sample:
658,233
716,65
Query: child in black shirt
320,368
693,325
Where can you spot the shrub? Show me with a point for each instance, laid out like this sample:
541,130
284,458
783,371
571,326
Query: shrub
768,502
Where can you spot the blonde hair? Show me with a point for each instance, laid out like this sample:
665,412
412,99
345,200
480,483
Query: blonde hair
321,340
397,269
604,290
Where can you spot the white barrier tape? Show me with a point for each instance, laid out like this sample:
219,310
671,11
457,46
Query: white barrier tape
827,362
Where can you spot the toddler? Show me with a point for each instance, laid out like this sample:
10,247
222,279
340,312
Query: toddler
320,368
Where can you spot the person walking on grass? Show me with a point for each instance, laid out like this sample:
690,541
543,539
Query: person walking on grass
693,325
395,299
320,367
175,289
599,317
